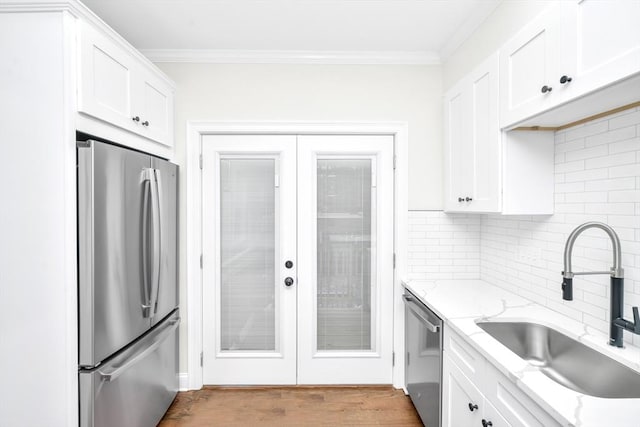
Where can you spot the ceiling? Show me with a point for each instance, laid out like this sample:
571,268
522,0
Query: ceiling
432,28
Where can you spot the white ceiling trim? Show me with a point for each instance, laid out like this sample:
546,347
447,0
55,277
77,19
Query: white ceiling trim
467,29
291,57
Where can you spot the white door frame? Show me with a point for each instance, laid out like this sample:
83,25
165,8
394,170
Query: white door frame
195,131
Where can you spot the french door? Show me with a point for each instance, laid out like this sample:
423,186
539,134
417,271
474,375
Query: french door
298,259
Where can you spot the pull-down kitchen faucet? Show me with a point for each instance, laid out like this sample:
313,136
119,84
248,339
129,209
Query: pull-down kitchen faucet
618,323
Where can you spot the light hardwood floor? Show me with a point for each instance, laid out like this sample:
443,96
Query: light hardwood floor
292,406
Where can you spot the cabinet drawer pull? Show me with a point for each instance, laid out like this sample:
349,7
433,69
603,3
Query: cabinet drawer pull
546,89
460,199
145,123
486,423
468,199
135,119
472,407
565,79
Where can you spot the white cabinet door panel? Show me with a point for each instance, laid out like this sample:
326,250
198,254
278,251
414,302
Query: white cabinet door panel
462,402
154,100
529,63
472,150
106,75
458,147
486,137
514,405
492,417
601,42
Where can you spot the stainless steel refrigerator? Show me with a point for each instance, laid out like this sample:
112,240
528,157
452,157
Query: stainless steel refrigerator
127,289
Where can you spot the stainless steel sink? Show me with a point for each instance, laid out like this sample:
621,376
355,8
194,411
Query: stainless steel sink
565,360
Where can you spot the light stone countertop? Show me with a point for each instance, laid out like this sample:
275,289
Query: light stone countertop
460,303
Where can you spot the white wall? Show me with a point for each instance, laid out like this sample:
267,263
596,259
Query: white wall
255,92
504,22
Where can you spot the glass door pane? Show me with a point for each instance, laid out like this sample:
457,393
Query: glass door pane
247,254
345,263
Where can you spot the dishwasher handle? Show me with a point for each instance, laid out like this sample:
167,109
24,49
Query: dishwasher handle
410,302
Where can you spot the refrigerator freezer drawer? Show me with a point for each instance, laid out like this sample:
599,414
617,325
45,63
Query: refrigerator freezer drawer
135,388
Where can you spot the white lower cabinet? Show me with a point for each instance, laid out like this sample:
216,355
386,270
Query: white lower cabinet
487,399
463,404
513,403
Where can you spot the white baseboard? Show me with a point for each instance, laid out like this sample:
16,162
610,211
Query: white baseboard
183,381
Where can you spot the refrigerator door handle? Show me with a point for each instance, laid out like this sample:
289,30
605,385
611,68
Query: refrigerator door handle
157,242
147,185
158,339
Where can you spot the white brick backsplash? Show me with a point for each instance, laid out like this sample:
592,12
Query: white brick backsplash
625,146
585,130
611,136
587,153
597,178
611,184
624,120
443,246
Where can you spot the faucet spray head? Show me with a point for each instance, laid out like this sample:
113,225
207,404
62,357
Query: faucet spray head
567,289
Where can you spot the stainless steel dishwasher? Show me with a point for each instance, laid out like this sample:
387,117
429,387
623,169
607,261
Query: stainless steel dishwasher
423,359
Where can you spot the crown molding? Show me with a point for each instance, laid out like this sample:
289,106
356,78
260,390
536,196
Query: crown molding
220,56
78,10
468,28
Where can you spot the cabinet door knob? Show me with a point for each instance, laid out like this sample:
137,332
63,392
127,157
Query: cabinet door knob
472,407
288,281
546,89
468,199
460,199
135,119
486,423
288,264
565,79
145,123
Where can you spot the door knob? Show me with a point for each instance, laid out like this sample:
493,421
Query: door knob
288,264
288,281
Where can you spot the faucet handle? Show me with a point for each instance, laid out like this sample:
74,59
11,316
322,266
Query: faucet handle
636,321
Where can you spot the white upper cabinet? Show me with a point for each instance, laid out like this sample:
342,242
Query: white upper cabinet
528,66
600,43
572,49
115,87
473,141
